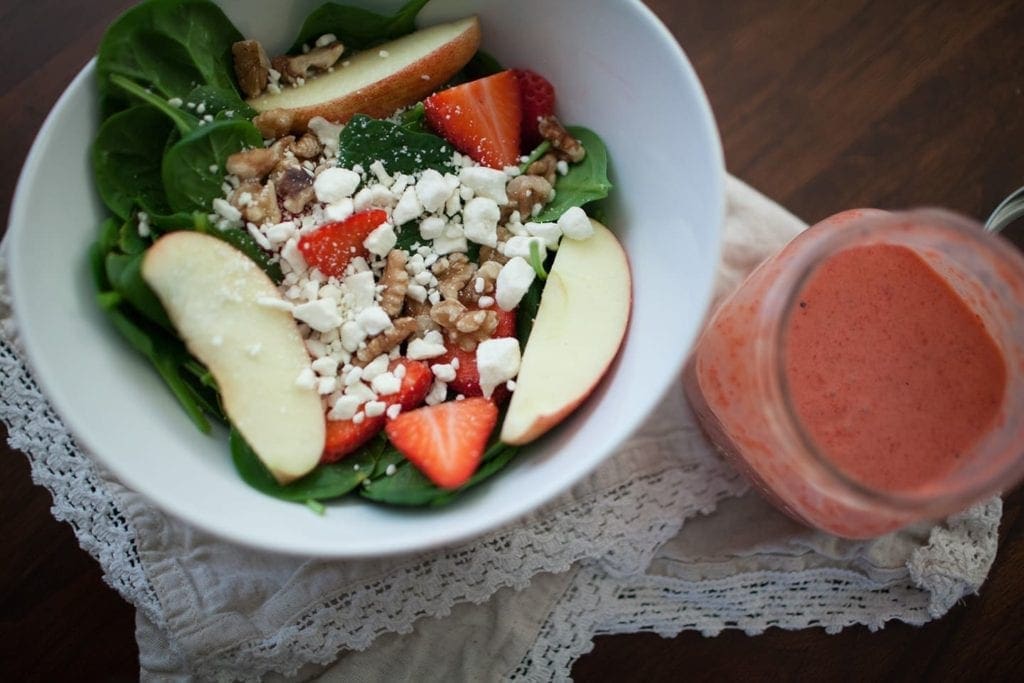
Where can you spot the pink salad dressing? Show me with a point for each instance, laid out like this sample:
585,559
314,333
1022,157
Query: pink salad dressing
890,372
871,373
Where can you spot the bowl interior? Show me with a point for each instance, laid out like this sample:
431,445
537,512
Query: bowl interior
616,70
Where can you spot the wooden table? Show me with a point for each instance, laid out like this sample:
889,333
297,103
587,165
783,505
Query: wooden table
821,105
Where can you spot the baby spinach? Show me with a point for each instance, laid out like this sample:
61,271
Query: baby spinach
169,46
401,150
585,181
193,167
217,102
126,160
356,27
526,312
183,120
323,483
124,272
407,486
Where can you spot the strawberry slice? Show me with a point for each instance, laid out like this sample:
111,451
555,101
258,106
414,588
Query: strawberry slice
345,436
467,375
330,247
446,441
537,99
480,118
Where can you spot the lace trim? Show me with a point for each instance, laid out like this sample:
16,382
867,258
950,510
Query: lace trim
953,564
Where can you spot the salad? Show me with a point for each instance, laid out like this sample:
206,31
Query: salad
342,252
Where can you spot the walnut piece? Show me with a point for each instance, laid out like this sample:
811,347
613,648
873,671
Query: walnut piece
554,132
294,187
252,68
274,123
296,68
462,326
482,283
252,164
528,191
453,272
420,311
545,167
307,147
395,281
258,203
386,340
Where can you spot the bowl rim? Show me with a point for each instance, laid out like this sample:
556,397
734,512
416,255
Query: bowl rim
373,547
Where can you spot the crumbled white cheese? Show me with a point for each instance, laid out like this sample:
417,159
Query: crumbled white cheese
575,224
392,412
443,371
485,182
325,367
549,232
275,303
328,133
382,240
361,288
334,184
408,208
373,320
519,245
437,394
376,367
386,383
320,314
326,39
352,334
375,408
306,378
513,281
326,385
432,190
339,210
360,392
480,221
431,227
431,345
497,361
344,408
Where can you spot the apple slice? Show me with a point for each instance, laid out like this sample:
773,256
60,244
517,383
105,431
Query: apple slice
579,327
383,79
211,293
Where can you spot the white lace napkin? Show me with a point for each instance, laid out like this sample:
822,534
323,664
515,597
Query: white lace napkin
611,556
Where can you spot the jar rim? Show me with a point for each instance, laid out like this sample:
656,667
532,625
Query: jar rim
862,228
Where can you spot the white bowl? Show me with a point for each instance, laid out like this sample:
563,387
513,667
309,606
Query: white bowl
617,70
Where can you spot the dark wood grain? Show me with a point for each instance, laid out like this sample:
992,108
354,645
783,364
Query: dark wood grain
822,105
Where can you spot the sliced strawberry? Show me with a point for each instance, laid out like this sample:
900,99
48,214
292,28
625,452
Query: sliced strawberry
330,247
345,436
415,384
467,375
446,441
480,118
537,99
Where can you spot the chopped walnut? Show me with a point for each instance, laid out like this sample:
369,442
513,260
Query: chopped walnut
420,310
274,123
462,326
296,67
453,272
386,340
294,187
545,167
251,164
258,203
482,283
493,253
395,281
307,147
554,132
527,191
252,68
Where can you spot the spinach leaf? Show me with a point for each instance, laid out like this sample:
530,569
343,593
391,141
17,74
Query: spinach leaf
526,313
585,181
241,240
357,28
218,102
482,64
323,483
539,151
126,160
124,272
414,119
170,46
129,240
407,486
98,253
183,121
401,150
165,353
193,168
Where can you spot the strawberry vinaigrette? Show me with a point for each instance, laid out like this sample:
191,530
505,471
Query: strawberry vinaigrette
872,373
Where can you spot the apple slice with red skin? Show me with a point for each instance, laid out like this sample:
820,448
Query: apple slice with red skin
579,327
381,80
211,292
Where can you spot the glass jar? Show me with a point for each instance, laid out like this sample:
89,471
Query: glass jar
755,374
